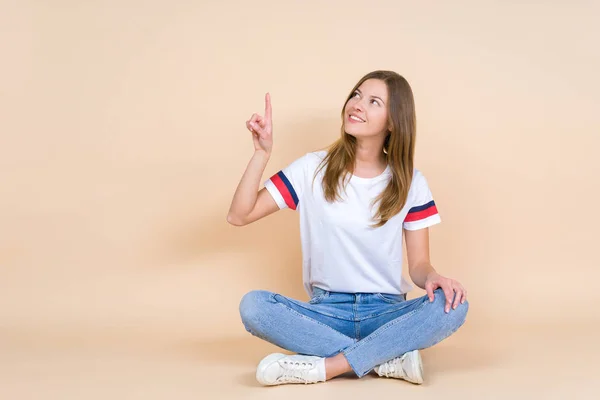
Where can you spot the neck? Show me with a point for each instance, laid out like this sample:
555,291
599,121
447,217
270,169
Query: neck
369,153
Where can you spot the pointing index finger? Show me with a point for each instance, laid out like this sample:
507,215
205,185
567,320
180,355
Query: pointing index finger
268,106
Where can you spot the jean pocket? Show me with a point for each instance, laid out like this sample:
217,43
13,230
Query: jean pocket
318,295
391,298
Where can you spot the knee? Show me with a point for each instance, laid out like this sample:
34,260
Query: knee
251,306
458,315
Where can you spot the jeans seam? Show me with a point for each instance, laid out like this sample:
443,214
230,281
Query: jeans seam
383,298
306,317
356,321
319,298
436,342
351,365
372,336
374,315
319,312
450,333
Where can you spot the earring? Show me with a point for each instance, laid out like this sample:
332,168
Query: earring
384,143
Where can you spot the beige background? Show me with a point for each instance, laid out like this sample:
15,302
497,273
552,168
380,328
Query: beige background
122,140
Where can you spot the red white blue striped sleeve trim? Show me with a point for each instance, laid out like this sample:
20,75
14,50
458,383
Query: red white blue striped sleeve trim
422,216
285,189
421,212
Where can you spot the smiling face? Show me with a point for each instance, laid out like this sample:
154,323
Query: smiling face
366,112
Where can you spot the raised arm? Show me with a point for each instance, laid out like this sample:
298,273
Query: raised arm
249,204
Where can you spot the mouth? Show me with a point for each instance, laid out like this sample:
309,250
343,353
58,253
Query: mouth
354,118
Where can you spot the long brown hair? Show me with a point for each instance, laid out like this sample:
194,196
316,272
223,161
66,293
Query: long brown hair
399,145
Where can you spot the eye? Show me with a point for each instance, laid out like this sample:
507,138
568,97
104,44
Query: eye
355,94
375,101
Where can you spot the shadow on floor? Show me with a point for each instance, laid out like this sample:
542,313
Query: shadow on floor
247,352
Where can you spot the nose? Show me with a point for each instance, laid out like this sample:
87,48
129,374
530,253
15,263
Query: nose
357,106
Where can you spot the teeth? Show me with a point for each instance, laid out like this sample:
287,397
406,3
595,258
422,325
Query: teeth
356,118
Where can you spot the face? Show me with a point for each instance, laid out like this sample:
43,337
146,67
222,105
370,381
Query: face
366,113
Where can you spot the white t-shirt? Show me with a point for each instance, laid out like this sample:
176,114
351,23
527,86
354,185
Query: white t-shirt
340,251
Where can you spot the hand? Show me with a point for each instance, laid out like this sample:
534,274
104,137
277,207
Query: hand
262,128
449,286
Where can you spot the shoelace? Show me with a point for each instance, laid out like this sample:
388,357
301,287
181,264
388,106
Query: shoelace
295,371
393,368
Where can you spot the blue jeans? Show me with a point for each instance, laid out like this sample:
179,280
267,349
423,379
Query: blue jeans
368,328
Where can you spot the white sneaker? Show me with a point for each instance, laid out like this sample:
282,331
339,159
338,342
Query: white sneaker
277,369
408,367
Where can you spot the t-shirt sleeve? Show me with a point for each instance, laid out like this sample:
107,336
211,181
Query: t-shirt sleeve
287,185
423,211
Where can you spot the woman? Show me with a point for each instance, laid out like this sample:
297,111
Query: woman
356,201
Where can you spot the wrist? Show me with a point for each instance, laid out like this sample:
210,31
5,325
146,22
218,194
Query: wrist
431,274
263,154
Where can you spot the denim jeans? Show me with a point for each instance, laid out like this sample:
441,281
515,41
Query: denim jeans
368,328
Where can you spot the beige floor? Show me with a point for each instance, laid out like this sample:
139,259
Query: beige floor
478,362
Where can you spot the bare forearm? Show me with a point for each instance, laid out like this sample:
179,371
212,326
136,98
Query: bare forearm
418,273
245,195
